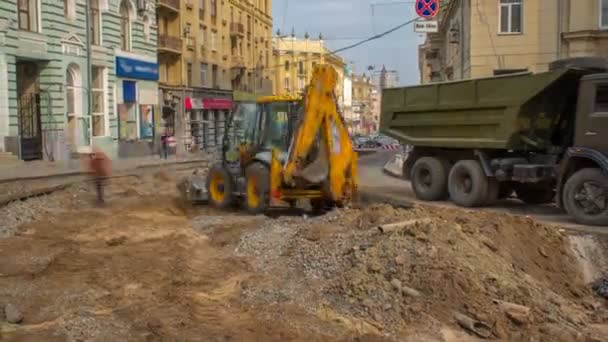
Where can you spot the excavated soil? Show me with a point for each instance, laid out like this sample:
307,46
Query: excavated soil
148,267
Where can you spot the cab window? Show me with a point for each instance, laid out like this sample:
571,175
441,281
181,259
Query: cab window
601,99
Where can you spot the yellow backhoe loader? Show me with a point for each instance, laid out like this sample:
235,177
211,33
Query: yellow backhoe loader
283,149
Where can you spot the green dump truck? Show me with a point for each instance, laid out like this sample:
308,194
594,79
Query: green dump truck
542,137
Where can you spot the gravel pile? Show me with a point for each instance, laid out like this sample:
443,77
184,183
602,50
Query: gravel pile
18,213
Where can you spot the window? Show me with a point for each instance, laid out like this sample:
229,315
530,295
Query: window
203,74
601,99
511,16
301,83
286,65
125,26
287,83
213,8
201,36
70,89
201,9
95,22
214,76
604,14
98,104
28,15
189,74
69,9
301,67
213,38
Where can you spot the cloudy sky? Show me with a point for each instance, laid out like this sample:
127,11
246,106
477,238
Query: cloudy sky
344,22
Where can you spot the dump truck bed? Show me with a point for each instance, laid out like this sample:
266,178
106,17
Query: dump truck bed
508,112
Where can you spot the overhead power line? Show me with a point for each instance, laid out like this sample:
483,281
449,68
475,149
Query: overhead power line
352,46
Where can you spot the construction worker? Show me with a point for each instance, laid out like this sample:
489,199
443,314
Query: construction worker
99,165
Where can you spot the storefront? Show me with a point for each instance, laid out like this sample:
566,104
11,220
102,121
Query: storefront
137,106
206,122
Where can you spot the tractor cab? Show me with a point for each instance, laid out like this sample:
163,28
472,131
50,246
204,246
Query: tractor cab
256,128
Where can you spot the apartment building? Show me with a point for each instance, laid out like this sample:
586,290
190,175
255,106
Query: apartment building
479,38
294,61
363,88
208,49
63,84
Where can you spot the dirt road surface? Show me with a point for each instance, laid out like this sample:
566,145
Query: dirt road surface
148,267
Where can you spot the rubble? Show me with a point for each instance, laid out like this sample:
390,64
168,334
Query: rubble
150,267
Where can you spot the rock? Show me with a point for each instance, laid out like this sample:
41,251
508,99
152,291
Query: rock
387,307
396,283
408,291
12,314
518,318
543,252
489,243
400,260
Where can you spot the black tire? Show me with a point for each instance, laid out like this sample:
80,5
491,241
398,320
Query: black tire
467,184
257,200
535,193
429,178
505,190
220,187
493,191
577,201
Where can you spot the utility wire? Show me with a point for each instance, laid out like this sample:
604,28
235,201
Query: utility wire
348,47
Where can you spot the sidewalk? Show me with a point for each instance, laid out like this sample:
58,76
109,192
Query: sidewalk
42,169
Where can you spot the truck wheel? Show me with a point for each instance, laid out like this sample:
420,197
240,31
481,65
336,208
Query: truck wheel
219,187
534,193
585,197
493,191
257,188
505,190
467,184
429,179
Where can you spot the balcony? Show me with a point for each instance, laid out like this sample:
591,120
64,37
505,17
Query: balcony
238,62
168,43
237,30
171,5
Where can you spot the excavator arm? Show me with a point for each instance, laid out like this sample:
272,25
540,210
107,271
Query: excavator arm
322,130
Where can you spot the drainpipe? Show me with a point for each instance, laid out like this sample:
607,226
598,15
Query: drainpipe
89,72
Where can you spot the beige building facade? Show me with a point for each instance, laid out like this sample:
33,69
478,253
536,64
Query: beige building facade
363,114
479,38
294,61
207,49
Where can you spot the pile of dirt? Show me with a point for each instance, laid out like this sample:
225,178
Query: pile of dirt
517,277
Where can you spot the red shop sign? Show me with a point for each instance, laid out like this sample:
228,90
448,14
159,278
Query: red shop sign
215,103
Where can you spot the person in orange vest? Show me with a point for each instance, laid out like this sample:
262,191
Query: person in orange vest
99,165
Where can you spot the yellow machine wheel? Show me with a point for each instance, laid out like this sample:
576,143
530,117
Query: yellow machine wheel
257,188
219,187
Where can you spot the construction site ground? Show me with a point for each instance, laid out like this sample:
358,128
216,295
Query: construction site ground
150,267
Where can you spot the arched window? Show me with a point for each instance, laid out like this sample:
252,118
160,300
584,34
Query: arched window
73,83
125,25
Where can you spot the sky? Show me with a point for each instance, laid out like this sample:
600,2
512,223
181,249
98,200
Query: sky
344,22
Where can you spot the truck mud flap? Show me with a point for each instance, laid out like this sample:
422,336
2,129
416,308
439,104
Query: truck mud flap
394,167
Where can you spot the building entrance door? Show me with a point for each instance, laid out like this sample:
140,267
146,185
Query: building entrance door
28,107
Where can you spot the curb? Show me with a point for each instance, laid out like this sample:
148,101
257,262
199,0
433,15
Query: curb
82,173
